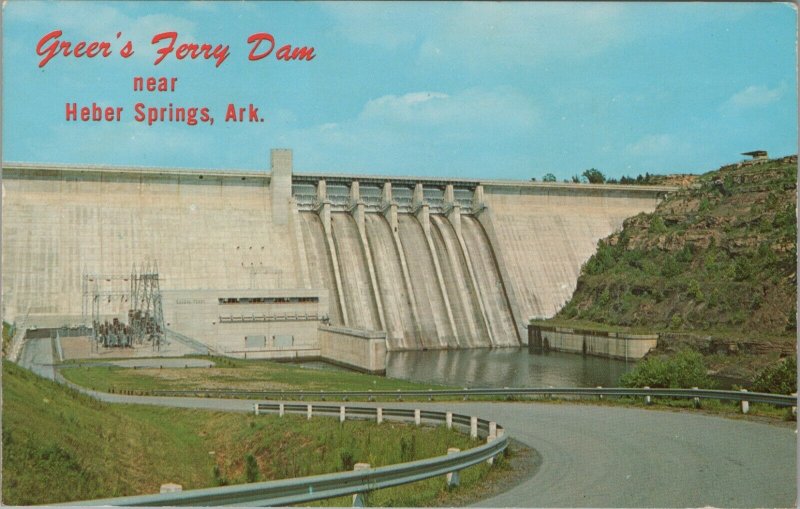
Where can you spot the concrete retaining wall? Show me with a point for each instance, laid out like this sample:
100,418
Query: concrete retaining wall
613,345
354,348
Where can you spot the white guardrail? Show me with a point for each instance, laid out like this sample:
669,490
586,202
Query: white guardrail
319,487
696,394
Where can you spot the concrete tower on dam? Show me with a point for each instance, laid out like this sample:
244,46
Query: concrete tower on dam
283,264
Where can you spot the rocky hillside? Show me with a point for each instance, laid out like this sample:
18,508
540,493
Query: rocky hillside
716,258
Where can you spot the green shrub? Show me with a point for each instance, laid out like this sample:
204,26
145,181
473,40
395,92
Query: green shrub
778,378
602,260
251,468
657,225
346,460
694,291
743,269
670,267
218,479
685,369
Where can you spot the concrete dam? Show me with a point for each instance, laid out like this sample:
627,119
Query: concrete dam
281,264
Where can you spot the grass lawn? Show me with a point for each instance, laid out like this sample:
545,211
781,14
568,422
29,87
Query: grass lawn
60,445
232,374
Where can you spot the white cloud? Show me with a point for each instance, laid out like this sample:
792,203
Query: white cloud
418,128
652,145
754,96
502,106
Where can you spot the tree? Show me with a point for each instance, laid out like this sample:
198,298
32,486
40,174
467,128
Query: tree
594,176
575,179
684,370
549,177
779,378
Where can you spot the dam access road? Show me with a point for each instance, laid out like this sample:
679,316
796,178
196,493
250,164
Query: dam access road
598,456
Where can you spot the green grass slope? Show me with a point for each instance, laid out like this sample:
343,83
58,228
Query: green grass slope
716,257
60,445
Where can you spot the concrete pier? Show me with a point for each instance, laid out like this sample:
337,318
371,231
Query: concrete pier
614,345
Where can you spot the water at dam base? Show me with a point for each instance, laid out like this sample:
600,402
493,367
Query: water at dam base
505,367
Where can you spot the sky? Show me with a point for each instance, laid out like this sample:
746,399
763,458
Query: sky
476,90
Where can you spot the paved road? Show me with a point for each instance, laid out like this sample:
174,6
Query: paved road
593,456
596,456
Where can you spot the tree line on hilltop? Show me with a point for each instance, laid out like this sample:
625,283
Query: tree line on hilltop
595,176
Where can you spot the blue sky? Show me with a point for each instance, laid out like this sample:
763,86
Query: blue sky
480,90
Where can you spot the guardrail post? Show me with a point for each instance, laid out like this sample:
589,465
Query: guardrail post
696,400
369,398
360,499
465,395
492,429
745,404
281,410
647,399
380,415
548,395
448,419
473,427
453,479
399,396
417,418
255,408
600,396
341,414
309,411
490,439
171,488
794,407
430,396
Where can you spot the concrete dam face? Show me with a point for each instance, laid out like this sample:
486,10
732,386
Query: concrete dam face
277,264
458,309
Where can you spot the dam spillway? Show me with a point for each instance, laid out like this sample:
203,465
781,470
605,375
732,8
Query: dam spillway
357,292
275,263
493,292
408,325
463,294
403,330
436,327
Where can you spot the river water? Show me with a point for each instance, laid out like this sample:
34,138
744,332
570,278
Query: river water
505,367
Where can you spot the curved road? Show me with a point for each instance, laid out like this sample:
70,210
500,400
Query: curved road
595,456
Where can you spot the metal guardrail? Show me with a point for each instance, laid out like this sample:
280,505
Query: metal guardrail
752,397
319,487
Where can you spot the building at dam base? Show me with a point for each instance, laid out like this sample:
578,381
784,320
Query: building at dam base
275,264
